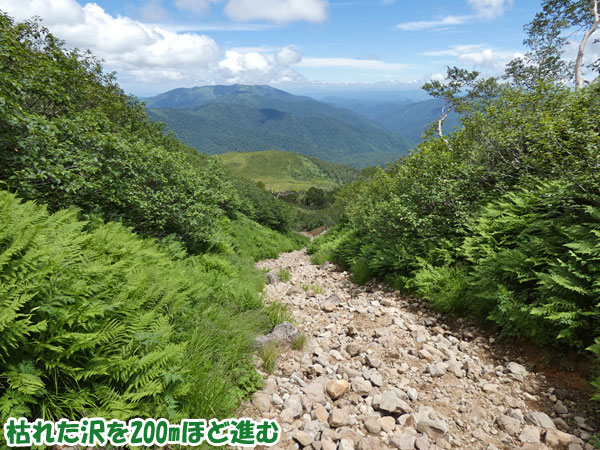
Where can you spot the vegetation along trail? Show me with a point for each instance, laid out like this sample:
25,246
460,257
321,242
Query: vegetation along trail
377,370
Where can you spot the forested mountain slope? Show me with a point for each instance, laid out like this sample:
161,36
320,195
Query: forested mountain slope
218,119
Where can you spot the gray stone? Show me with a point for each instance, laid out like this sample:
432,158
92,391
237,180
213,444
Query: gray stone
404,441
369,443
540,420
345,444
262,402
530,434
508,424
372,425
272,278
353,349
303,438
338,418
294,405
315,392
432,428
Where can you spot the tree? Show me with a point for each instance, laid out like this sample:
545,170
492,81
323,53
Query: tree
457,80
543,62
552,28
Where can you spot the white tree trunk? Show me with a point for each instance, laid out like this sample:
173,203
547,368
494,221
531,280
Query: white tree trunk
582,44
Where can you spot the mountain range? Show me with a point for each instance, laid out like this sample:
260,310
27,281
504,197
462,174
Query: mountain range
220,119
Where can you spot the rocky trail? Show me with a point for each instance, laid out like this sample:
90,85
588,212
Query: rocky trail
379,371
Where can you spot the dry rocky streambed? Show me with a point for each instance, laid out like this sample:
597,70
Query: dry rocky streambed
379,372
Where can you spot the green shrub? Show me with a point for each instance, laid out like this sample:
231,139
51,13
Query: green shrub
97,321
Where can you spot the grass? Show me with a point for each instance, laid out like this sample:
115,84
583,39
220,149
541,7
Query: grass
278,312
313,287
284,275
269,354
284,171
300,342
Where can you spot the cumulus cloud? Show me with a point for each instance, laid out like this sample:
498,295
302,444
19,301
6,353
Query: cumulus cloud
141,53
278,11
490,9
478,55
255,68
288,55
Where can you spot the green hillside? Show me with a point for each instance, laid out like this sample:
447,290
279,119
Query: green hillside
220,119
288,171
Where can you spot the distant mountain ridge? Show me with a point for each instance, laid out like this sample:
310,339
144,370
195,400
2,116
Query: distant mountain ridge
410,119
220,119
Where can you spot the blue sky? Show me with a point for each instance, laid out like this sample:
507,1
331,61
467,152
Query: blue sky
155,45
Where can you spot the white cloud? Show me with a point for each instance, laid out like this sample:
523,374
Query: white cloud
351,63
255,68
151,54
288,55
483,9
278,11
478,55
426,24
490,9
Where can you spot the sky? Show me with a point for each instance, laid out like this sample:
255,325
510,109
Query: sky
157,45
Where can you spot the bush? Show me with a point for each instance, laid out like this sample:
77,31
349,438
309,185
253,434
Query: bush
97,321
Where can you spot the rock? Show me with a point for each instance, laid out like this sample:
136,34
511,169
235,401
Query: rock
298,380
510,425
333,298
353,349
361,386
388,402
376,379
319,413
387,423
295,290
337,388
560,408
432,428
516,369
560,424
422,442
372,425
490,387
262,402
404,441
373,361
315,392
272,278
540,420
327,444
560,440
345,444
294,405
328,306
530,434
284,332
339,418
369,443
303,438
437,370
